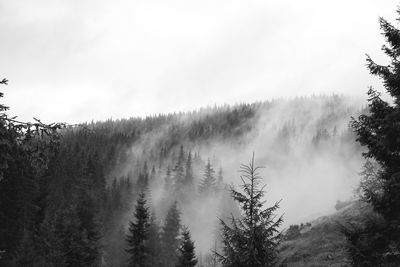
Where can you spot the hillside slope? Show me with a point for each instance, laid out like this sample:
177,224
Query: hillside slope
321,242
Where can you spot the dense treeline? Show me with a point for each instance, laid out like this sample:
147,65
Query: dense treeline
59,205
74,195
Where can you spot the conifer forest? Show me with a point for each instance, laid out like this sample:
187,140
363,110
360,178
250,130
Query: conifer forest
306,179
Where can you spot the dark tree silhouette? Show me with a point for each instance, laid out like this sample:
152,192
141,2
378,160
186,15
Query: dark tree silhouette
208,184
26,151
378,242
170,235
138,235
251,240
187,255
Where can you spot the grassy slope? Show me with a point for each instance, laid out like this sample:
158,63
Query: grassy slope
322,243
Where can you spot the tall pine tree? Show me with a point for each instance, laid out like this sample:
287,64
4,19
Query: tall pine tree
186,255
170,236
252,239
138,235
377,243
208,184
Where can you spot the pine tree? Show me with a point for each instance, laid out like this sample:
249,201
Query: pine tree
187,255
208,184
75,226
138,235
87,209
26,149
170,235
378,242
252,239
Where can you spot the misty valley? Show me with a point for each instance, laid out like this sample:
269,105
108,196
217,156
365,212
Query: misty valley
181,168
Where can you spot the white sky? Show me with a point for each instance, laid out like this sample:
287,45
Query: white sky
76,60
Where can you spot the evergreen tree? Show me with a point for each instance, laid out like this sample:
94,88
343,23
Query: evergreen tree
26,149
187,255
138,235
378,242
252,239
170,235
208,184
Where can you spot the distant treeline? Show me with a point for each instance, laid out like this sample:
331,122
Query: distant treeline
62,205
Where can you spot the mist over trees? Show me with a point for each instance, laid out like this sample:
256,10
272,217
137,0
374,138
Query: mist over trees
72,196
160,190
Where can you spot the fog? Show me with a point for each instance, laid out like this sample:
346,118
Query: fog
309,156
74,58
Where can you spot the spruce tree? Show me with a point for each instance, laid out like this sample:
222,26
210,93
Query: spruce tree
26,149
208,184
187,255
170,235
252,239
138,235
377,243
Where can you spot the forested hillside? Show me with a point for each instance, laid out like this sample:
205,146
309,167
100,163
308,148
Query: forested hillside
293,181
76,207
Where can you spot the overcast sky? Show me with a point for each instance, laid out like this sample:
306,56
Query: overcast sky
76,60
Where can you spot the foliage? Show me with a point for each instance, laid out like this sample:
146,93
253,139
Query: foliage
378,242
252,239
208,184
138,235
169,236
26,153
187,256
